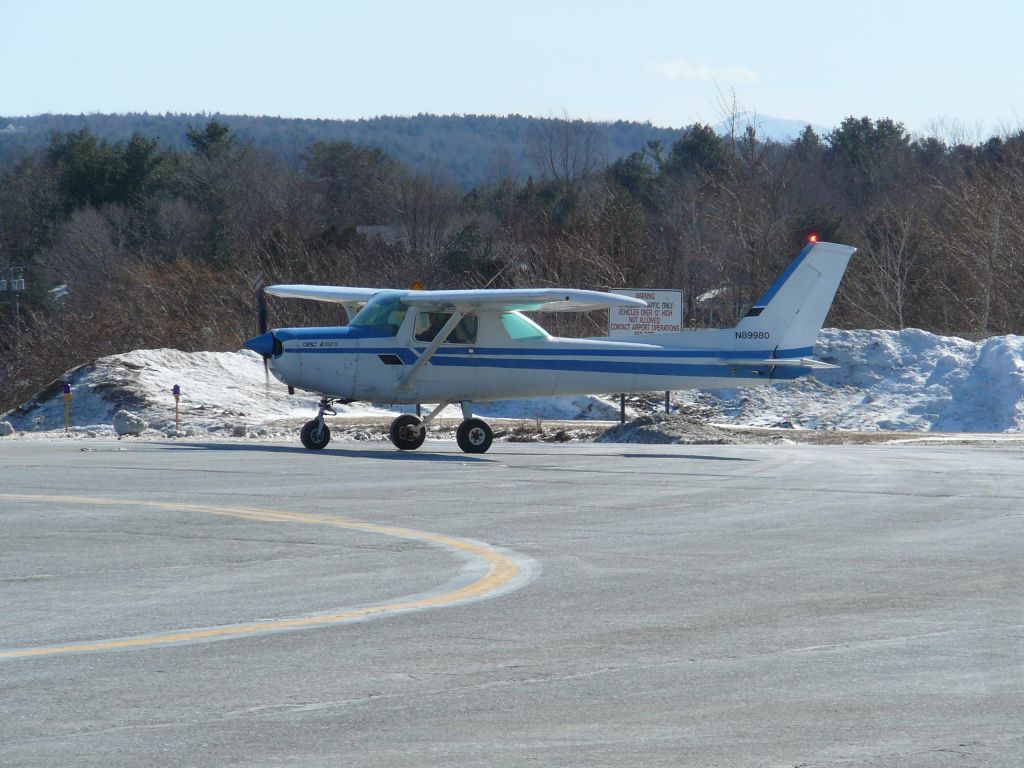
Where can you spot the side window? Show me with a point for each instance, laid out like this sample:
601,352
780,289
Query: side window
520,328
428,324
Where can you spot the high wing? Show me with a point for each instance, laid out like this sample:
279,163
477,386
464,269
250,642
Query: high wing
495,299
352,299
519,299
334,294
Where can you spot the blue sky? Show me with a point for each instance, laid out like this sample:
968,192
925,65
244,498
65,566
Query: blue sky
666,62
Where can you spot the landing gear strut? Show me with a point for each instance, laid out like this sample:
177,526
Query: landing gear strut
315,434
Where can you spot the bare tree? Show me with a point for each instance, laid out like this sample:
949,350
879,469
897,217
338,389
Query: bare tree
567,151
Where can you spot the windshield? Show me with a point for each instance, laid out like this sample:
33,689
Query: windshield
521,328
384,312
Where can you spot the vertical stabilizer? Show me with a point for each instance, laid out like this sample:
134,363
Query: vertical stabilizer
793,310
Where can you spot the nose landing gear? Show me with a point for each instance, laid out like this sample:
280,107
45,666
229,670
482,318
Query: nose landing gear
315,434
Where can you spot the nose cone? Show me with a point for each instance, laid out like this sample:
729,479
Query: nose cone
262,344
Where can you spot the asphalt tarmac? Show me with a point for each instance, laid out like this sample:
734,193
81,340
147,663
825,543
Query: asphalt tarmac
243,603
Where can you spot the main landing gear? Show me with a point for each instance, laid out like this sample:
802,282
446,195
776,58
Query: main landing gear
473,435
407,431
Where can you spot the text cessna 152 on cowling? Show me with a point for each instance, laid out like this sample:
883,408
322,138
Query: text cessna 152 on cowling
471,346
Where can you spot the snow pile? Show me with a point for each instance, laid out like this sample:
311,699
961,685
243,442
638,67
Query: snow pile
218,389
679,428
223,393
906,380
127,423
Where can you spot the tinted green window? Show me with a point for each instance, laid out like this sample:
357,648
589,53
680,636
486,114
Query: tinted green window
520,328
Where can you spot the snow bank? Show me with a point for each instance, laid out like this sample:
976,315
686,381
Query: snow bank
908,380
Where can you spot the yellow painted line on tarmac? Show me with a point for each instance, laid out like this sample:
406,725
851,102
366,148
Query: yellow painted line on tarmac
502,569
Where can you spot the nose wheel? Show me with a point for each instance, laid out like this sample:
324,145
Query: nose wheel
474,436
315,435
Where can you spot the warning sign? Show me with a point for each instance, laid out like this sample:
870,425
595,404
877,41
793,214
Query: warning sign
663,313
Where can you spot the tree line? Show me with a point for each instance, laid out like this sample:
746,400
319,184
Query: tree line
166,247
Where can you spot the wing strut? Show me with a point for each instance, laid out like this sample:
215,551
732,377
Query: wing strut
430,350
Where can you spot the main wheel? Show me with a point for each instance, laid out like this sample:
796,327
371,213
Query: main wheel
315,435
404,433
474,436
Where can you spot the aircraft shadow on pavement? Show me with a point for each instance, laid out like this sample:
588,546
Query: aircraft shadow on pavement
689,456
395,455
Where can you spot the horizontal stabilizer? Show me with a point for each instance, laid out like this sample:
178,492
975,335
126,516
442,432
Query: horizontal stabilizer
789,362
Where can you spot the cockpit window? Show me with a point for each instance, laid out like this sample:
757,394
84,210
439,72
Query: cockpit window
429,324
521,328
383,312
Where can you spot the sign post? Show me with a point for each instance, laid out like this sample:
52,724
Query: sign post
663,314
67,408
176,391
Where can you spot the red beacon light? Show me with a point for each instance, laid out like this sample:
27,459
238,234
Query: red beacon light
812,238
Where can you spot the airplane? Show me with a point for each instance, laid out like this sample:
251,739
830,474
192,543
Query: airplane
473,346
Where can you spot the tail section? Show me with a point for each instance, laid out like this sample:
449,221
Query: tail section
791,313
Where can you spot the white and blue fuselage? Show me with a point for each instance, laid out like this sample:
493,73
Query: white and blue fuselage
355,363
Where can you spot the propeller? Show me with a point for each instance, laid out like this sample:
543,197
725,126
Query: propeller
261,320
265,344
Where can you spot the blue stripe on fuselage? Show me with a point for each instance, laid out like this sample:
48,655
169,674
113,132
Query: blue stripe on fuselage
710,370
757,354
348,332
478,353
702,370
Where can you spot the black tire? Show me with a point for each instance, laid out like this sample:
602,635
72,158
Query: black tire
314,438
474,436
402,434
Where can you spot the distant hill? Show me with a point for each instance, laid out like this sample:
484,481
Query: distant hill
469,148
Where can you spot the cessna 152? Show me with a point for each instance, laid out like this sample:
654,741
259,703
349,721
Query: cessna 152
471,346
